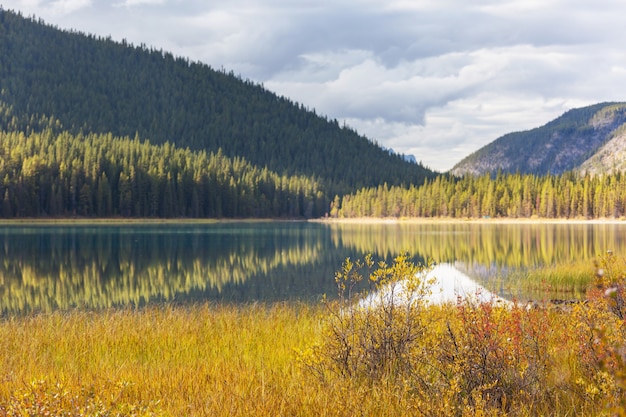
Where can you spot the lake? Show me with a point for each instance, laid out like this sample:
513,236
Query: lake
46,266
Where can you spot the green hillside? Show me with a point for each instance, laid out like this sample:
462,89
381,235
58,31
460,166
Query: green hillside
94,85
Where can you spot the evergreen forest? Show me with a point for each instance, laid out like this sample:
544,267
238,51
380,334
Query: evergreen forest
93,85
565,196
98,175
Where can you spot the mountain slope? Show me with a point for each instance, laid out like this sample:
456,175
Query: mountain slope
96,85
585,139
610,157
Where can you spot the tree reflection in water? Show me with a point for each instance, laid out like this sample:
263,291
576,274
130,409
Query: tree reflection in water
47,267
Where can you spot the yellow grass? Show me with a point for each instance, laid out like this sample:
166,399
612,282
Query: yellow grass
202,360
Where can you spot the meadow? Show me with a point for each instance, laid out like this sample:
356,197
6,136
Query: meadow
287,359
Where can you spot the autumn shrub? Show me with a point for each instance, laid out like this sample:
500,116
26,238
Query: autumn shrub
473,358
496,357
600,331
374,335
609,292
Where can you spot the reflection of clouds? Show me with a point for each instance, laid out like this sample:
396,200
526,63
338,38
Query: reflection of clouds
446,284
451,284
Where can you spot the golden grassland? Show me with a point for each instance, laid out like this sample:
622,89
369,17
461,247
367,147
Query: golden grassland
201,360
204,360
224,360
565,281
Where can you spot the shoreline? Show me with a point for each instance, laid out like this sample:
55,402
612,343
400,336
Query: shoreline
324,220
127,220
450,220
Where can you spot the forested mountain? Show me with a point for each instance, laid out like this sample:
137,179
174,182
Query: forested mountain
590,139
95,86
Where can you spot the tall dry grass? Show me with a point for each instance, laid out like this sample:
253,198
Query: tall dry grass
201,360
204,360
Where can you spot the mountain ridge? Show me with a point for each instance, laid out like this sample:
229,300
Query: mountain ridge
579,140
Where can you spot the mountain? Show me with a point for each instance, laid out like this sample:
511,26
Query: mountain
95,85
589,139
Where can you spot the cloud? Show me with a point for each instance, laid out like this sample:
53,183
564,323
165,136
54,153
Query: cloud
53,9
359,86
69,6
132,3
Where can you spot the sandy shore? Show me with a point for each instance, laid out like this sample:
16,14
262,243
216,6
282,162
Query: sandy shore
444,220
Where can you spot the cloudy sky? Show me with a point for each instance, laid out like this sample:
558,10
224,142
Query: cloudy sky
434,78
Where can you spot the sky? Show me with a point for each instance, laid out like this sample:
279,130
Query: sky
437,79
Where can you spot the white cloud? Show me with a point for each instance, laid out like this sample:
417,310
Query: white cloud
132,3
51,9
64,7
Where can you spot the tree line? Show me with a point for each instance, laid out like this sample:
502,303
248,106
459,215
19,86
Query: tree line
50,172
58,174
564,196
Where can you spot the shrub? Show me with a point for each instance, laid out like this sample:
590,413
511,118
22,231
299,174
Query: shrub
600,330
473,358
496,357
377,334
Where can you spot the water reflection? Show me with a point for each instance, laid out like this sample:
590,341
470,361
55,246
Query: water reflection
447,285
510,245
49,267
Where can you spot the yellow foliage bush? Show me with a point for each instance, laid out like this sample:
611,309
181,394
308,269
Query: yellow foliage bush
474,358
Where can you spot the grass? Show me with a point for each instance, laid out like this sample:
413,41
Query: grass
201,360
563,281
225,360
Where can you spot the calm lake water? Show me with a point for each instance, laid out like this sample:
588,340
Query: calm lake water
48,267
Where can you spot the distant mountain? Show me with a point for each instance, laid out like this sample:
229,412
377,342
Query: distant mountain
410,158
590,139
95,85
